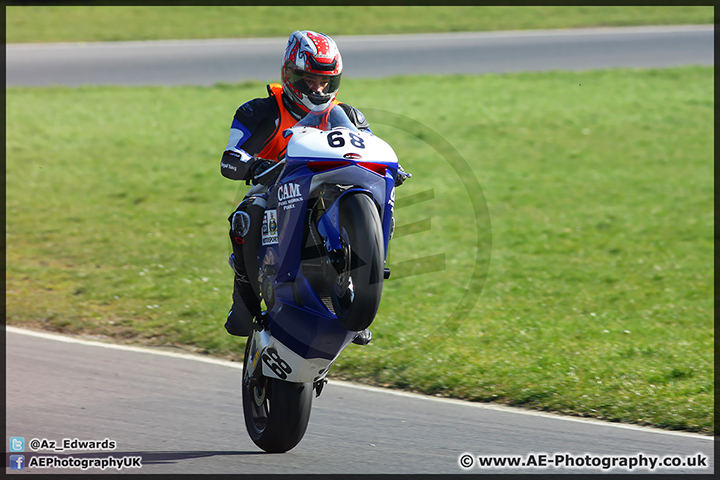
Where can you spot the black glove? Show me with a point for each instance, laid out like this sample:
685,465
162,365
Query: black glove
267,174
259,165
402,175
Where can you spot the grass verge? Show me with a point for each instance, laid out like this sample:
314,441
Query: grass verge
598,300
112,23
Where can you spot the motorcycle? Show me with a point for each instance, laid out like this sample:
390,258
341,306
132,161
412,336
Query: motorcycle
325,233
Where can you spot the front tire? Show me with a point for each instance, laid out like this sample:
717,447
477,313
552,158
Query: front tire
276,412
358,288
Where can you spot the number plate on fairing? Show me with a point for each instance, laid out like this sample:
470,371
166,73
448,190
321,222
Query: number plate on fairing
313,143
278,361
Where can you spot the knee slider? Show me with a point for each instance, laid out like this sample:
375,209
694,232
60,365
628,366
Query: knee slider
240,223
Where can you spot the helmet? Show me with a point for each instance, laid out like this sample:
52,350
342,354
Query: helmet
311,54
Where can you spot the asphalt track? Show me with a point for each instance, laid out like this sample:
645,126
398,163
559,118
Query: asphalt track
182,414
206,62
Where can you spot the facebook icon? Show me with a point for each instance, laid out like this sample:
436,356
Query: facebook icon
17,462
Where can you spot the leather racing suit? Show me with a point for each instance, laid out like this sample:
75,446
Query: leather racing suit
255,143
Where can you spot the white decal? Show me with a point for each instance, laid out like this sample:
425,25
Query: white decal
288,190
270,228
289,194
283,363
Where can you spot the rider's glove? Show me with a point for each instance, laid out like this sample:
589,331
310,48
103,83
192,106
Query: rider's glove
402,175
266,172
258,166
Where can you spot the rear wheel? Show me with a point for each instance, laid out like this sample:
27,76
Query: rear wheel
358,287
276,412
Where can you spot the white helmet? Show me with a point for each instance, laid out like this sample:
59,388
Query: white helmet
316,54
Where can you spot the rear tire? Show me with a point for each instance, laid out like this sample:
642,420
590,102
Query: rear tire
357,290
276,412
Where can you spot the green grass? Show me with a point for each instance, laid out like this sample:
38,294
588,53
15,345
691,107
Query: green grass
112,23
598,299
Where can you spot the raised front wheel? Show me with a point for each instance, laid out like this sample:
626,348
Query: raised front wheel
358,287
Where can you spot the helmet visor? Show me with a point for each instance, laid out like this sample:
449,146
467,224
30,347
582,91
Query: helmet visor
319,87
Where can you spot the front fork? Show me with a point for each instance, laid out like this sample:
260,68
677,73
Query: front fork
259,340
333,241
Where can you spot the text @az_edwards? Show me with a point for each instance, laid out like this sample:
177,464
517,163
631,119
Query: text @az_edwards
39,444
20,460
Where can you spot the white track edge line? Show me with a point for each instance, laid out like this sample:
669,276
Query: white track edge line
114,346
228,363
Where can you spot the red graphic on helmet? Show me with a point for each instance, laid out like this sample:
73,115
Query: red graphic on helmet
293,52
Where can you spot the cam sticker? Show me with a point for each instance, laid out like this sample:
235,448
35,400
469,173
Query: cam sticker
270,228
288,195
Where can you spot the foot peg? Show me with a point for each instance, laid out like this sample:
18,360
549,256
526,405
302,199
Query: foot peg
319,386
363,337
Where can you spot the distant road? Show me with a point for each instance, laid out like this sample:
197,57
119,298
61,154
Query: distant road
206,62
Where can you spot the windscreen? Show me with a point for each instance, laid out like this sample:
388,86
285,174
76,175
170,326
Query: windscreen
327,119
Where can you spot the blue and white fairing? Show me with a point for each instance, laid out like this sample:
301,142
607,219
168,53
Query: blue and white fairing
327,158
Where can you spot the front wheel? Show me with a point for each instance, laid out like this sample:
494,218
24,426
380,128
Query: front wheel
276,412
358,288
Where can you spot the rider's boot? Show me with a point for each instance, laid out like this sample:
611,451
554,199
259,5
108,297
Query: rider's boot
245,307
363,337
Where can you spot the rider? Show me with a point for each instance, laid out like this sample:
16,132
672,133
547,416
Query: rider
311,71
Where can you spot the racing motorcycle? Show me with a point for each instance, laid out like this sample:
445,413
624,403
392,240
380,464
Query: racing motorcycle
325,234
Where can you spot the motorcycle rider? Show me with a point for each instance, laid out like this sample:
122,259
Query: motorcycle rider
311,71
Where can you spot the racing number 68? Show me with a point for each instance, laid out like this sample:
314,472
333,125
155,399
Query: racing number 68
336,140
276,364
